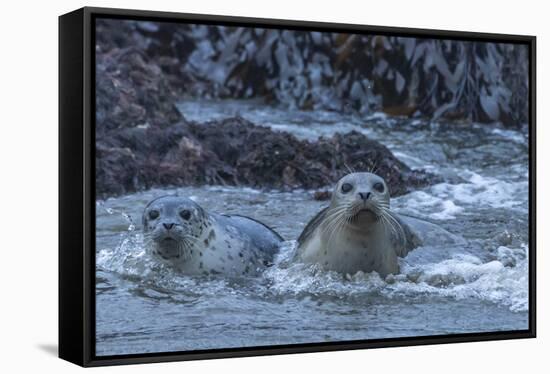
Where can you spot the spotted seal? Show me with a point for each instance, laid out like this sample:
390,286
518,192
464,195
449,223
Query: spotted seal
180,232
359,232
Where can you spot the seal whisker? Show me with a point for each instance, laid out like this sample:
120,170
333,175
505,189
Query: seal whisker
351,170
333,221
331,224
190,240
333,213
389,216
338,227
373,168
388,225
401,235
341,225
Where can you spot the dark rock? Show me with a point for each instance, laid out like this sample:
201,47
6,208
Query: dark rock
322,195
142,141
236,152
116,170
131,92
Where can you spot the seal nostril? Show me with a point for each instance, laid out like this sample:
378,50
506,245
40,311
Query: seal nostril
364,195
168,226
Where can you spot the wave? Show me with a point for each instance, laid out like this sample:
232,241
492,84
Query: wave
500,278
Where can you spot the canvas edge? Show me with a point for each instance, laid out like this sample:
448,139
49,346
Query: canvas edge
71,314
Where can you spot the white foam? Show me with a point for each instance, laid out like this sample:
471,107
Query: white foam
413,162
445,201
484,192
460,276
377,115
132,261
512,135
502,280
423,204
466,276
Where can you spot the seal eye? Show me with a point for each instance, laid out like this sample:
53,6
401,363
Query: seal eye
378,187
346,187
154,214
185,214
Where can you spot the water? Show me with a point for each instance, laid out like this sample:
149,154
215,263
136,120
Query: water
144,306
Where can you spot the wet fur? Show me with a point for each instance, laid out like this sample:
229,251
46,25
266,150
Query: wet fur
354,234
208,243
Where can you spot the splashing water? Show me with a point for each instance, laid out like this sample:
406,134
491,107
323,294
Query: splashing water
145,306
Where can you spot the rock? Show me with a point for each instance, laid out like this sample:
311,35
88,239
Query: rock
238,153
143,141
322,195
116,170
504,238
132,92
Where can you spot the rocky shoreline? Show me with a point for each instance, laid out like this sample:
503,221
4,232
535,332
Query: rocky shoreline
236,152
143,141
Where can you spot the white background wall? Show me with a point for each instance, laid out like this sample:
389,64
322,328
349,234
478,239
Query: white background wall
28,184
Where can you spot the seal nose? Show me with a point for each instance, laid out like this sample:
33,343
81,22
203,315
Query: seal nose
364,195
168,226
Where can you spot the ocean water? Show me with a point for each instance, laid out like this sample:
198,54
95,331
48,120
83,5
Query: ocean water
143,306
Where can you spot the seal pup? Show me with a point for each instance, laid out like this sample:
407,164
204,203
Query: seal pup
180,232
359,232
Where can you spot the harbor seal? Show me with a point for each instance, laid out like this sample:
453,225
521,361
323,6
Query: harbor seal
180,232
359,232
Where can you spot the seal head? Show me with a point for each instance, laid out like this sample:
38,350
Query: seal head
363,199
173,224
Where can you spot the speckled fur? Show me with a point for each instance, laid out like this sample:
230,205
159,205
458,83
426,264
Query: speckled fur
199,242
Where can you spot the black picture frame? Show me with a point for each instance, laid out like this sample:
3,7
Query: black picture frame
77,188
